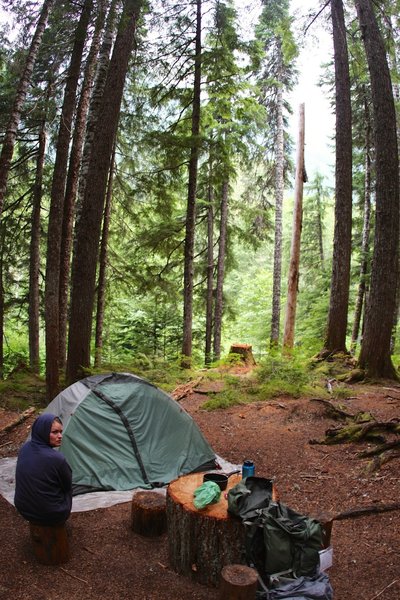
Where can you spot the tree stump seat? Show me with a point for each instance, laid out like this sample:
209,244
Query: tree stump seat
202,542
238,582
50,543
148,514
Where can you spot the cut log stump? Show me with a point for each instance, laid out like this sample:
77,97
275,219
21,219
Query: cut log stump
245,351
238,582
202,542
50,543
148,514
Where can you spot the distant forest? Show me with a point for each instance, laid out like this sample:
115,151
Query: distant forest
149,204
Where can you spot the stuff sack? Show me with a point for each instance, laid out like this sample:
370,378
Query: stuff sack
302,588
248,496
292,541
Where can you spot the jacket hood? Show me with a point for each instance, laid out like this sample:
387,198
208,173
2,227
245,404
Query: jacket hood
41,429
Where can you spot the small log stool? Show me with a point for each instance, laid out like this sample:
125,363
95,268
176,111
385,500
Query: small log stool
50,543
238,582
148,514
202,542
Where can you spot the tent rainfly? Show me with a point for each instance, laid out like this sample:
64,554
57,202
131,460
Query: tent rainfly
121,432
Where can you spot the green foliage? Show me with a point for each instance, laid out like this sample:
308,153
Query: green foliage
21,390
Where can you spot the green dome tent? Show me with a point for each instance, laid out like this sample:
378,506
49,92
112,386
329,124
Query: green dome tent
121,432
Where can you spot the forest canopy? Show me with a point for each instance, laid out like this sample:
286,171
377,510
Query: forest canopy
155,203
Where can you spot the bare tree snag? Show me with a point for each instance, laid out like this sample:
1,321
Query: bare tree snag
293,277
238,582
245,351
148,514
50,543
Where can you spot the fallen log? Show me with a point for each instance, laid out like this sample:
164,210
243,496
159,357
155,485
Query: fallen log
365,510
18,420
183,390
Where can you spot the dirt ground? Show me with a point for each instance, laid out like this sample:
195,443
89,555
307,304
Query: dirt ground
111,562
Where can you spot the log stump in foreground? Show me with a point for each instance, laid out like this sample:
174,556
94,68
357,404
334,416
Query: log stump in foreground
50,543
238,582
148,514
202,542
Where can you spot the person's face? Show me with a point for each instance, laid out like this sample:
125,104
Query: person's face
56,434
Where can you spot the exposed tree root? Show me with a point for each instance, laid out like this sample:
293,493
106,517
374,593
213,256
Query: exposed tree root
365,510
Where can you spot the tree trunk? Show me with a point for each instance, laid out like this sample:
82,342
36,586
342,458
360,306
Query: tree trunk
12,127
188,274
88,227
34,266
375,350
101,284
365,234
95,101
54,232
279,187
201,542
219,292
1,304
73,176
339,299
210,269
293,278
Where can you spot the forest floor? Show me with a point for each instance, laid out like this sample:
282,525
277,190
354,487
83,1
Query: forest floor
111,562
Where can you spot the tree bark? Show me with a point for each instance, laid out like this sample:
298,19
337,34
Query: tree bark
293,278
210,268
54,232
89,225
95,102
375,350
201,542
335,339
188,274
279,187
219,292
101,284
34,265
73,178
15,117
365,234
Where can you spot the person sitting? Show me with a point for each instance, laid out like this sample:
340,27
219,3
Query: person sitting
43,477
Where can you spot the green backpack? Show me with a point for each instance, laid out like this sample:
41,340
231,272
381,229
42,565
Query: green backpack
292,541
278,539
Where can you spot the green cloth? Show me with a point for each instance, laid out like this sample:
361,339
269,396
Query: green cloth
208,492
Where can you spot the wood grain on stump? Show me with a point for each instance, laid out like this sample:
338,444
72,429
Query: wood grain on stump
202,542
50,543
245,351
148,514
238,582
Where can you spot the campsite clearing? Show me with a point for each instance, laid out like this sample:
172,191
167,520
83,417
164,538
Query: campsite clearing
110,561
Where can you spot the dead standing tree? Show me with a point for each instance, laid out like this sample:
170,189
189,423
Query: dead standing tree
293,278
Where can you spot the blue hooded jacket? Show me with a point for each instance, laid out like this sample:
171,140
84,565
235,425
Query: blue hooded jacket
43,477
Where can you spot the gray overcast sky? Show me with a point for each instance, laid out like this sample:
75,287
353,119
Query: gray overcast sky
319,117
